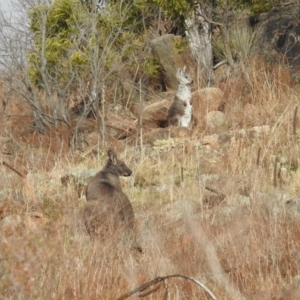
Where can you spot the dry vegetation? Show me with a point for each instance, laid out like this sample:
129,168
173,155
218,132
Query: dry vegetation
239,251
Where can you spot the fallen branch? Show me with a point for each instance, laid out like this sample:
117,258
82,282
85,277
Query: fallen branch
13,169
220,64
258,156
216,192
295,121
156,280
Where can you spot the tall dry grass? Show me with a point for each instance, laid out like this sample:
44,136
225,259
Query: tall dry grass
239,251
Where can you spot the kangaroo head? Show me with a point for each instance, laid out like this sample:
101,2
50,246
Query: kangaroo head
116,165
183,77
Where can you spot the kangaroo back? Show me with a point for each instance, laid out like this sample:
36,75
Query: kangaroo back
108,210
109,218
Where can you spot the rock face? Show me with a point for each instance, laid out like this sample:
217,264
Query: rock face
279,32
166,49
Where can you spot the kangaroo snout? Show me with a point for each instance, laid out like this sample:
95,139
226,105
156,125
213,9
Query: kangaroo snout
116,165
128,172
124,170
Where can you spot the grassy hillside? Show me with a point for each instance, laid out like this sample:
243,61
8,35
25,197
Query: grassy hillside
242,240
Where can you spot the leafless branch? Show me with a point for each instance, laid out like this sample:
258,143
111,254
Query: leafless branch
295,121
220,64
156,280
215,191
13,169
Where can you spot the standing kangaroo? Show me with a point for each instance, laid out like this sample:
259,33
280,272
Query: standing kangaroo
180,112
108,210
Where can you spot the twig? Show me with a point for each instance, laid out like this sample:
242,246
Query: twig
295,121
224,61
160,279
181,174
150,292
275,172
140,121
208,20
258,156
141,288
13,169
215,191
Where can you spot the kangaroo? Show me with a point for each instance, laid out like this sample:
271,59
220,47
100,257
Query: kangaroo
108,210
180,112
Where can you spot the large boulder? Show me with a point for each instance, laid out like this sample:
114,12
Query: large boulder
119,125
171,55
205,100
155,114
215,120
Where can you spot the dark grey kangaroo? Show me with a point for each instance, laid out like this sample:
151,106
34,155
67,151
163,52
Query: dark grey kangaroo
108,210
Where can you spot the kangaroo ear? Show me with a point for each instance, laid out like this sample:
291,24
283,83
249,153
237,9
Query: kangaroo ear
184,69
112,156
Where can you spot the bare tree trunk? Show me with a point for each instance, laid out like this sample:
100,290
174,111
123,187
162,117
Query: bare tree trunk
199,34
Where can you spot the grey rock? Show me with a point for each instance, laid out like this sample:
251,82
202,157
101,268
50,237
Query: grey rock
291,290
277,32
215,119
77,176
293,204
11,221
170,59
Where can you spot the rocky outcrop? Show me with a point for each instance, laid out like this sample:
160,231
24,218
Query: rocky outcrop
278,34
155,114
203,101
167,49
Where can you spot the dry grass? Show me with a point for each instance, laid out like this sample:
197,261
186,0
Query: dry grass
239,251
